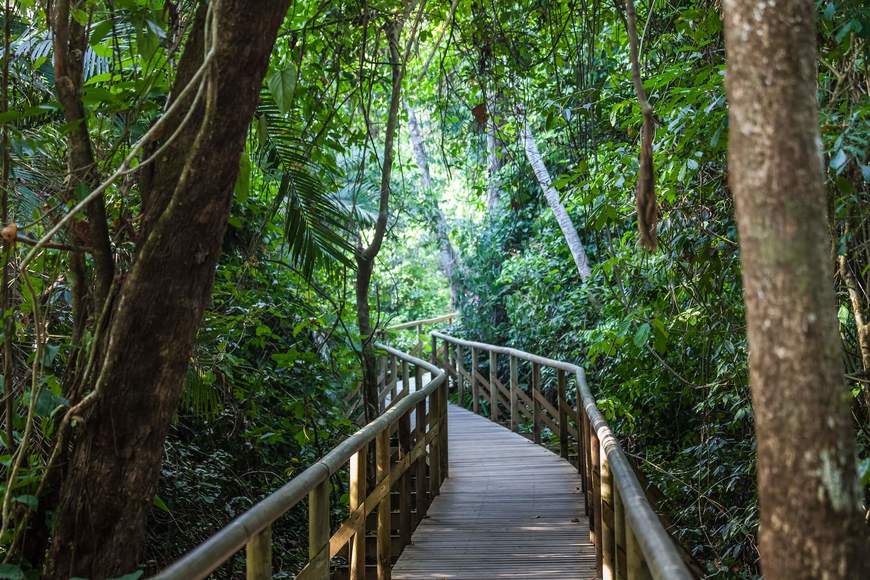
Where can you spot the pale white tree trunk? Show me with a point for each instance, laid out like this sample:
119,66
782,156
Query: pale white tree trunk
546,183
493,150
447,254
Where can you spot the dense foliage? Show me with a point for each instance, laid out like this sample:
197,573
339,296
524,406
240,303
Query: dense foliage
278,353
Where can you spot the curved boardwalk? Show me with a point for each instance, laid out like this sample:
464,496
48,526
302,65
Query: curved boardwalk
509,509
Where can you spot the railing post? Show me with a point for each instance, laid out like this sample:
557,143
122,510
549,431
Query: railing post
406,379
460,372
581,435
536,405
433,355
419,341
448,363
382,465
636,567
619,533
475,394
405,479
435,445
595,520
587,462
563,413
357,497
394,377
442,409
515,385
421,504
493,394
258,556
608,544
318,531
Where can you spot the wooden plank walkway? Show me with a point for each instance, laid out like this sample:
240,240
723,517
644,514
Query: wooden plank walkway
509,509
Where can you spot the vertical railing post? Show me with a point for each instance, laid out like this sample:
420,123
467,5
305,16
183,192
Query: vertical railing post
382,466
318,531
357,498
619,533
536,405
563,413
433,355
475,394
405,479
448,362
406,380
493,391
394,377
421,503
419,341
636,567
581,434
587,462
258,556
608,543
595,520
442,409
515,386
460,372
435,445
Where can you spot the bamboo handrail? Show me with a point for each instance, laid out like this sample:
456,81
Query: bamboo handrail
423,322
640,525
253,528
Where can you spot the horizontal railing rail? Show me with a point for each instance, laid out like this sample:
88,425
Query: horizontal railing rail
630,540
409,463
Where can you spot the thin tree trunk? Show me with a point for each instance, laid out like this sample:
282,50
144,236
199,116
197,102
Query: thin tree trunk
365,259
862,328
494,157
552,196
447,254
808,489
115,462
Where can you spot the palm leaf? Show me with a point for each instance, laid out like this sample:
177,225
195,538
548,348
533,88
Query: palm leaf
315,222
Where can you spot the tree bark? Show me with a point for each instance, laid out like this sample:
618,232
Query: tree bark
365,259
552,196
447,254
117,447
494,152
808,490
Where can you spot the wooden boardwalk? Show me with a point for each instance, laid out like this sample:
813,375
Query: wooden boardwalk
509,509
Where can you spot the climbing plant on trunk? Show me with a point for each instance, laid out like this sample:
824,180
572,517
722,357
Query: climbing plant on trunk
105,469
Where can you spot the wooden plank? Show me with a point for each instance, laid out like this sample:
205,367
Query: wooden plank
515,387
493,373
318,532
511,509
382,464
536,401
357,498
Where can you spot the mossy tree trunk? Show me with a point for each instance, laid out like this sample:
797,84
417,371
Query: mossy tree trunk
808,489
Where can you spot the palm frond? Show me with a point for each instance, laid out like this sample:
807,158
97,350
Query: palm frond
315,222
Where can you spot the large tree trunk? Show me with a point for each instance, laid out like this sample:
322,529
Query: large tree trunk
552,196
808,490
117,449
447,254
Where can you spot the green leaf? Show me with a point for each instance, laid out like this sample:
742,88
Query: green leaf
161,505
282,85
642,335
30,501
11,572
839,160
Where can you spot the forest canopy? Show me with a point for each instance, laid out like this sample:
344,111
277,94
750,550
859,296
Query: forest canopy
212,210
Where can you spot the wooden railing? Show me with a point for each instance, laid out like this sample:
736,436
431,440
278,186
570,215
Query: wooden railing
630,540
409,445
418,326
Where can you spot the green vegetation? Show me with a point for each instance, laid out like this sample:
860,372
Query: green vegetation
278,351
